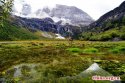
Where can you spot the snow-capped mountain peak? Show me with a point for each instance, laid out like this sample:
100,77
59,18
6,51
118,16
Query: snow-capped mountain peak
66,14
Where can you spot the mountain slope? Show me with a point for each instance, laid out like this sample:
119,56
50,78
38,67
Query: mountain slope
48,25
110,26
111,19
12,32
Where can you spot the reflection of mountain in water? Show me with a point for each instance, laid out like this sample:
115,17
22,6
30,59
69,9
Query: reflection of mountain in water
93,70
31,73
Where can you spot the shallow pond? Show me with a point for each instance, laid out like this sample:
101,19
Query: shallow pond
36,73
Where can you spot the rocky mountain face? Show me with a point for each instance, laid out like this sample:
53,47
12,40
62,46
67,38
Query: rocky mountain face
60,13
111,19
66,14
47,25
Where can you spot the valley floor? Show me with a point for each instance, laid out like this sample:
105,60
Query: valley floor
60,58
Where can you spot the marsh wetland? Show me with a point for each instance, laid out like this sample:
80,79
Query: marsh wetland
59,61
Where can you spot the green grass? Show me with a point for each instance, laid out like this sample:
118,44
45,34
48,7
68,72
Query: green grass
90,50
9,32
116,32
85,51
75,50
12,32
118,49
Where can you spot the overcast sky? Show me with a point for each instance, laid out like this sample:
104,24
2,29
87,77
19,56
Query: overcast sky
95,8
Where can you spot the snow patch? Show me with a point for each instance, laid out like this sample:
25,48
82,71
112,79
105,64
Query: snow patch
45,34
59,36
55,19
64,21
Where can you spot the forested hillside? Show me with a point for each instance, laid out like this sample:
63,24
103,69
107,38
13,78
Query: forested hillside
110,26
